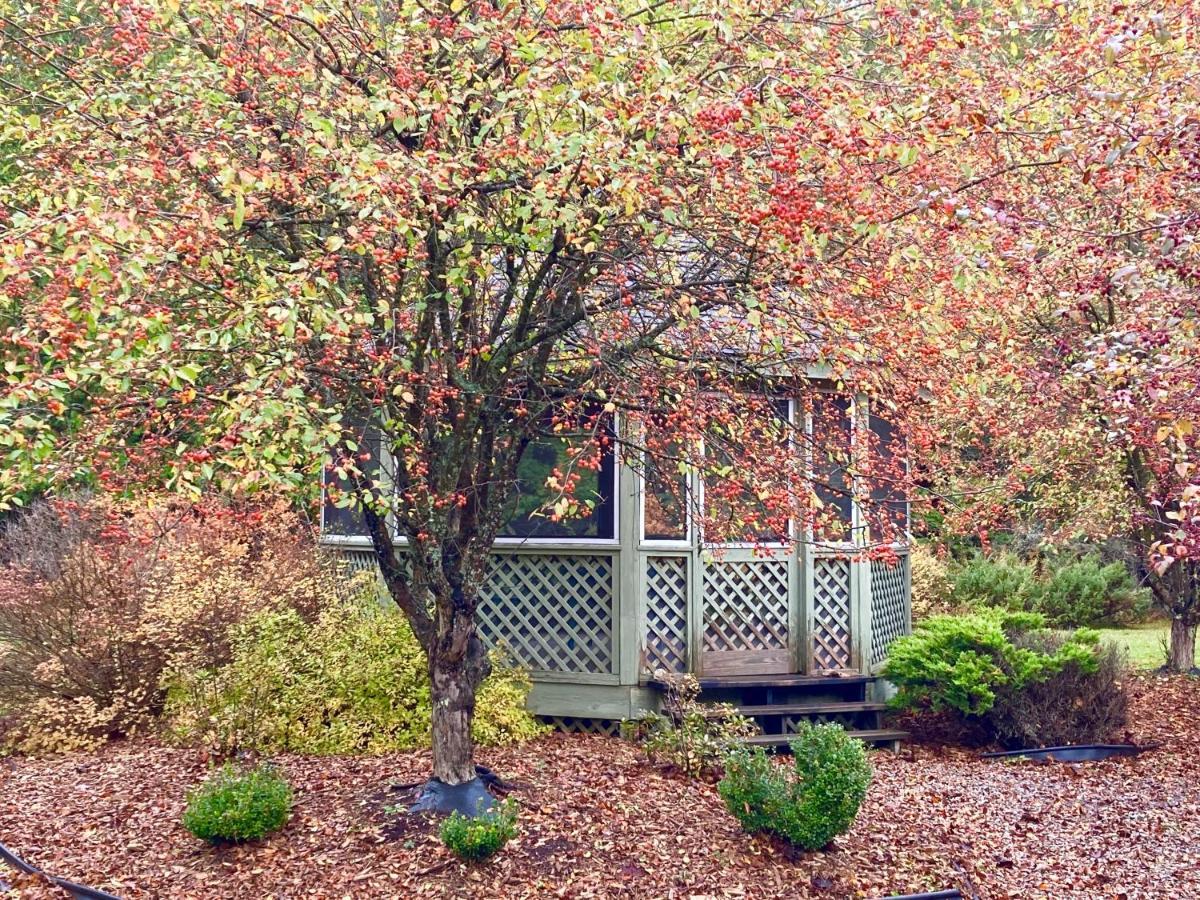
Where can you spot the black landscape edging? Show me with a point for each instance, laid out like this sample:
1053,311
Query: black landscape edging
1075,753
951,894
78,891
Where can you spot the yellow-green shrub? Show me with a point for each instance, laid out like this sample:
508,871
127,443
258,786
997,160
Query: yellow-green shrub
501,716
930,580
352,681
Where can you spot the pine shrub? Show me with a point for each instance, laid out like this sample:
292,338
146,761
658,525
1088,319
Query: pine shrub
1002,581
238,806
809,806
1086,592
1071,591
1005,676
1073,704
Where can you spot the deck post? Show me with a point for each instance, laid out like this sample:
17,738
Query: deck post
630,606
860,567
806,595
860,600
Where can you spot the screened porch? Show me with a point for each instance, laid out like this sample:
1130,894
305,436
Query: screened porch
594,608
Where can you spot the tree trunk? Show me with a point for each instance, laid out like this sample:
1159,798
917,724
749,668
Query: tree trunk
1182,654
452,689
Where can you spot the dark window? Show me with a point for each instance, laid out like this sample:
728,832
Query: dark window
664,503
339,519
888,477
531,516
831,466
731,506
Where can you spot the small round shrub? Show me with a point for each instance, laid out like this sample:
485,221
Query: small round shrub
477,838
809,806
238,806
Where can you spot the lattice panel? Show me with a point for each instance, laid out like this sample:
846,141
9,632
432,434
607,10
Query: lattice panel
831,614
574,725
554,611
666,641
354,561
746,605
889,606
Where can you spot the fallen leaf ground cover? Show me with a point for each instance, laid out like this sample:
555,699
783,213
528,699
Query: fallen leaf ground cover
596,821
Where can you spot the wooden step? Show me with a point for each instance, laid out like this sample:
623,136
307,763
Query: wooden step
806,709
867,736
725,682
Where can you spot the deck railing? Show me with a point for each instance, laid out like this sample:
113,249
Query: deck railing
890,614
554,611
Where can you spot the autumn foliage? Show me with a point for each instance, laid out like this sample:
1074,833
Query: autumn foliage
99,599
240,233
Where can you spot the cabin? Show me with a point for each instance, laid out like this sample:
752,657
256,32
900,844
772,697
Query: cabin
599,609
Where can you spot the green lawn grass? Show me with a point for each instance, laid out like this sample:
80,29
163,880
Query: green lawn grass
1143,643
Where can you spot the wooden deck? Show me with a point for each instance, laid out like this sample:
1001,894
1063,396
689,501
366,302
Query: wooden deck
889,736
778,703
742,682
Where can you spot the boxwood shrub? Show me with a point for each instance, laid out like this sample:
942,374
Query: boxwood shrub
808,806
238,806
479,837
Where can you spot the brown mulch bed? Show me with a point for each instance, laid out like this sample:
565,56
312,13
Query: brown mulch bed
597,822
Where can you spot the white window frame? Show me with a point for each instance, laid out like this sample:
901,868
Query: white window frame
690,492
350,540
855,525
581,542
907,460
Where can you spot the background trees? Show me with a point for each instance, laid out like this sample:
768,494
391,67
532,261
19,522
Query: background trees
1085,416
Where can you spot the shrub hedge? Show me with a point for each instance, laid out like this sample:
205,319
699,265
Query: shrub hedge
1070,592
225,623
352,681
99,598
